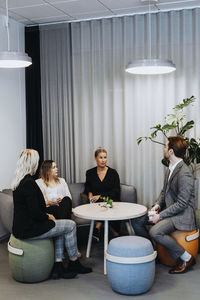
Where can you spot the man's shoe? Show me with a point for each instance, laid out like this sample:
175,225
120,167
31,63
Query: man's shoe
59,271
183,266
77,267
96,234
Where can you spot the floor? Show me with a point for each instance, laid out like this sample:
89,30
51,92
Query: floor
95,286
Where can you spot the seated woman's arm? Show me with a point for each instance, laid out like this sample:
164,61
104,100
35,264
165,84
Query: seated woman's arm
36,209
65,189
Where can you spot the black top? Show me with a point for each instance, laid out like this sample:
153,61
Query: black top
30,218
110,186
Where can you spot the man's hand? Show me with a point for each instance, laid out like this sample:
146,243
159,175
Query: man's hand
155,219
155,207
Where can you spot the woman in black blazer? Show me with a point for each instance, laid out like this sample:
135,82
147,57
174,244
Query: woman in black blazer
32,222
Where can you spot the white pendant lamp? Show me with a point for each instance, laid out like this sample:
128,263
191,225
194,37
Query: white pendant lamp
11,59
150,66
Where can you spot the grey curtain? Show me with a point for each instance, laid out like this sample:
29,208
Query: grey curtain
56,91
89,100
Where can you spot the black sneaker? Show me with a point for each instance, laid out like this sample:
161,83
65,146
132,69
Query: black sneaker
59,271
77,267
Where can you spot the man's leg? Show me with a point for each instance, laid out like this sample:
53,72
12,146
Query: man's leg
139,226
160,232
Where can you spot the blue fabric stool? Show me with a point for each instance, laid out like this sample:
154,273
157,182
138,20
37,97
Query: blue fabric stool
130,263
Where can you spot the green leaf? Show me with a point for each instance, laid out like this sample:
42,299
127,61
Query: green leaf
185,103
186,127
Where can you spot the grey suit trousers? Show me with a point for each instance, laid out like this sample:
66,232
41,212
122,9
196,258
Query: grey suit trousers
160,233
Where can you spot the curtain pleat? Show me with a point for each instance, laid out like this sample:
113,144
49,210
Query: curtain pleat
89,100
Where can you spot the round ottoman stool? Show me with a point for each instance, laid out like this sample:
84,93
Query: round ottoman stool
30,260
187,239
130,263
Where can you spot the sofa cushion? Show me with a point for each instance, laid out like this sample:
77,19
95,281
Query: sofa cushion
76,189
128,193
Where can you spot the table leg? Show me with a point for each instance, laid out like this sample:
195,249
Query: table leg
129,227
90,238
105,243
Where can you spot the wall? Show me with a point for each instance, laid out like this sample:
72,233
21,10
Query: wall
12,106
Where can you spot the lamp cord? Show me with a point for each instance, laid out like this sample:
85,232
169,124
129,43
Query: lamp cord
7,26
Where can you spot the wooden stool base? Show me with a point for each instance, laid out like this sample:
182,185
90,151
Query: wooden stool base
180,236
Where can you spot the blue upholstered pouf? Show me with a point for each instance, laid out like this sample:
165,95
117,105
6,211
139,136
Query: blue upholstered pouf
30,260
130,263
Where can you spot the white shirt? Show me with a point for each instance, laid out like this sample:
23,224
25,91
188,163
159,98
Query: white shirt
61,190
172,167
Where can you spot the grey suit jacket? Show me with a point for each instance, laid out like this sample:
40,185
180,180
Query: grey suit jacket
177,198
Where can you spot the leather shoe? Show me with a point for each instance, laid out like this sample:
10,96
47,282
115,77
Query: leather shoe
183,266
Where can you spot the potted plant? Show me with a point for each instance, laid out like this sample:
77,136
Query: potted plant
174,124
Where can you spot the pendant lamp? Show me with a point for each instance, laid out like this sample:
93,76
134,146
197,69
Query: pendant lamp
11,59
150,66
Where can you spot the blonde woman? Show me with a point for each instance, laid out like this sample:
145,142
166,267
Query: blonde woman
103,181
32,222
55,191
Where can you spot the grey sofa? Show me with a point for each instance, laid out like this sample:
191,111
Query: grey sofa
128,194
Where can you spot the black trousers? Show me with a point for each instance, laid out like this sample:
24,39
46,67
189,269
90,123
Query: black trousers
61,211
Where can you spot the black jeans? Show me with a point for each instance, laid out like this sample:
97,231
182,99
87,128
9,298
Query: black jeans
61,211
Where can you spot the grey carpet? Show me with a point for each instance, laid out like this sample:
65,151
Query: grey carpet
95,286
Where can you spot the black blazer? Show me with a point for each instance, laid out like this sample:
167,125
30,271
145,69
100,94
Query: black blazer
30,218
110,186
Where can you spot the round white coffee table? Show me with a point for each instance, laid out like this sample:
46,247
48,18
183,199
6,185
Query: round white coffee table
98,212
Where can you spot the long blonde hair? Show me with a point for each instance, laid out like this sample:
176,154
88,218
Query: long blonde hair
26,164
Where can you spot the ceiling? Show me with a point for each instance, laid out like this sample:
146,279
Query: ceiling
32,12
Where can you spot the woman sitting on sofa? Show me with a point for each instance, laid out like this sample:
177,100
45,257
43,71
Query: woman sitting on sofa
32,222
55,191
103,181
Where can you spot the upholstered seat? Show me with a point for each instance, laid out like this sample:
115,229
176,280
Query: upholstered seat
30,260
187,239
130,263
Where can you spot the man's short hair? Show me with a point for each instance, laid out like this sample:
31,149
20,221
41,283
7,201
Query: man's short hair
178,144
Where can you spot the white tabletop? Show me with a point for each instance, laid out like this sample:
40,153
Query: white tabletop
119,211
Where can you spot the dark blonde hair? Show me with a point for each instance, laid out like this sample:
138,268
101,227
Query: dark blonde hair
45,170
99,150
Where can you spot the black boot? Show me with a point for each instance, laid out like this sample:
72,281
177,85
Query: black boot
76,266
59,271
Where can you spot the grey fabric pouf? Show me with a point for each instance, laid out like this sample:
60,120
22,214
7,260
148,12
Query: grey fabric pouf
30,260
130,263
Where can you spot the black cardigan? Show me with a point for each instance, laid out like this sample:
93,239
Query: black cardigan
30,218
110,186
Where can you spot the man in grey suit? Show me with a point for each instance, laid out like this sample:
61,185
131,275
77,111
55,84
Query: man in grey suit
175,207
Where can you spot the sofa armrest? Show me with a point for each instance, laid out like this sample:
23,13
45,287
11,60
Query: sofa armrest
6,211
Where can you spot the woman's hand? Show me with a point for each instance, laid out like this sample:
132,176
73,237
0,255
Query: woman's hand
59,200
51,217
96,198
51,202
